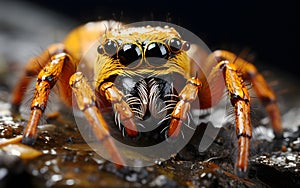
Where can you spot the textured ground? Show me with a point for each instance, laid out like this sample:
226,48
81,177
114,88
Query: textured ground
67,160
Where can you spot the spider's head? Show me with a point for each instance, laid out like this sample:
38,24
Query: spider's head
147,51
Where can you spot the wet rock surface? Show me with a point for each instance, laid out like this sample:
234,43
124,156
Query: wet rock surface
280,168
68,161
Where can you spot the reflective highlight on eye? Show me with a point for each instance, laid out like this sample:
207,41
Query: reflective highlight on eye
175,45
110,47
157,54
129,54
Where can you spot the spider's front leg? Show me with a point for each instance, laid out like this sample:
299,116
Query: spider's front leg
240,100
188,94
234,69
46,79
115,97
32,68
263,91
86,101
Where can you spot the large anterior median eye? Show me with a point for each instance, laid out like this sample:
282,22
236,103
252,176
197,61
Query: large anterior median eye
156,53
129,54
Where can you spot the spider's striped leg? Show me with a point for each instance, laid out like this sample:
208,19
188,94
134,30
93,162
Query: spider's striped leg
115,97
86,101
32,68
240,100
188,95
45,81
260,86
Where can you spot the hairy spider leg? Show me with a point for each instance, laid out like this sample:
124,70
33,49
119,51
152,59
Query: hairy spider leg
260,86
86,101
32,69
240,100
115,97
234,70
46,79
188,94
76,43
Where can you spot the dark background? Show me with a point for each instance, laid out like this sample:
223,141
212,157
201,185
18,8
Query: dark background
268,30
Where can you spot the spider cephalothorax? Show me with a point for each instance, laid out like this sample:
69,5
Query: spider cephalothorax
143,63
145,75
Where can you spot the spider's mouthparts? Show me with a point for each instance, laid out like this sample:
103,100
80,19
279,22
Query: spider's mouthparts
152,100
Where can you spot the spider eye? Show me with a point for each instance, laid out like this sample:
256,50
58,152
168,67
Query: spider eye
175,45
156,49
110,47
129,54
100,49
157,53
186,46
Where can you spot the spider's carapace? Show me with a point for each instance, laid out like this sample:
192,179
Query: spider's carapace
139,59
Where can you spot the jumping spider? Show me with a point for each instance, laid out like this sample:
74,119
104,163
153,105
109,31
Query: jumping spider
125,52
